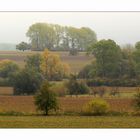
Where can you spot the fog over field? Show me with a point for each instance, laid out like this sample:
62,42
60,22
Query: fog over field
123,27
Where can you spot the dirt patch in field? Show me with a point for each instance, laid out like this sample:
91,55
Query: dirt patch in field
76,104
71,104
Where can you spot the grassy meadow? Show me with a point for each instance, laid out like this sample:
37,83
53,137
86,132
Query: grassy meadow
69,122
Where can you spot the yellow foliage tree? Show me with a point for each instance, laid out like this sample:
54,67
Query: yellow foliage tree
7,67
52,66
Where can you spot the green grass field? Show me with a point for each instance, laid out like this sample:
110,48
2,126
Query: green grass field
68,122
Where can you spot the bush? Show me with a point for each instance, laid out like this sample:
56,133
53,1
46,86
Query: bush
82,88
73,52
96,107
76,87
137,100
46,100
87,72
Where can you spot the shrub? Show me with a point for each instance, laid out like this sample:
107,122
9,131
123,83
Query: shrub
88,71
82,88
73,52
137,100
46,100
76,87
96,107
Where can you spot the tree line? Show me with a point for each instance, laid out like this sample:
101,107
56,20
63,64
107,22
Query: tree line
113,65
57,37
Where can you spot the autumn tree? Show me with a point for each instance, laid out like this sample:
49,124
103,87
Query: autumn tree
7,67
52,66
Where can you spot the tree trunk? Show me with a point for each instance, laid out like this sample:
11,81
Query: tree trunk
46,112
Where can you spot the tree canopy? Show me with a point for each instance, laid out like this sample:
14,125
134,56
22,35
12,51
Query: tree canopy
46,100
7,67
52,66
108,57
56,37
23,46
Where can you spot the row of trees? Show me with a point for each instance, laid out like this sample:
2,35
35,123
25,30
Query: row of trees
113,63
56,37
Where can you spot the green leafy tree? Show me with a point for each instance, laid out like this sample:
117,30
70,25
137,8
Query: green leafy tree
46,100
81,38
23,46
108,58
41,36
56,37
137,45
136,58
34,62
26,82
128,69
88,72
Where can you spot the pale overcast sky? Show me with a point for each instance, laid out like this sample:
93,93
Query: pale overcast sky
123,27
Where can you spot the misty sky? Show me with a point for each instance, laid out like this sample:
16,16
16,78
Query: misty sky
123,27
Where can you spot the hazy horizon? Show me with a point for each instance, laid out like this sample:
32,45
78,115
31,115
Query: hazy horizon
123,27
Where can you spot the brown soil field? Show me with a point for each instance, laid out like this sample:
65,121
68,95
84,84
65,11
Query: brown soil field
69,104
6,90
